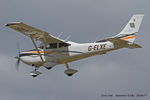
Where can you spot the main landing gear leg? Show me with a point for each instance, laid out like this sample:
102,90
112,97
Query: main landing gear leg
35,73
69,71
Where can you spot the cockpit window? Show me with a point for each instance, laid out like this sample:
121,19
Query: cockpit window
48,46
62,45
51,46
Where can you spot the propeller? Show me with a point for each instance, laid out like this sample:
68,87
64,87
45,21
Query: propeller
17,63
18,57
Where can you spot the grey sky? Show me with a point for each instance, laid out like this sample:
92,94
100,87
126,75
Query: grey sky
123,71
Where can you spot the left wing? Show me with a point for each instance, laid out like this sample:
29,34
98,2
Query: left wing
34,33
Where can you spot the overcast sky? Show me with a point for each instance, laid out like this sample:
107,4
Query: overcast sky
123,71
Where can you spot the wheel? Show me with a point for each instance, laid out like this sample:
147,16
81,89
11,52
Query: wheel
70,72
35,73
48,68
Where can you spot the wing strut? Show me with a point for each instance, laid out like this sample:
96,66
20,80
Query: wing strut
36,48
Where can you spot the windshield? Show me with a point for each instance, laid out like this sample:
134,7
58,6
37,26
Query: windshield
41,46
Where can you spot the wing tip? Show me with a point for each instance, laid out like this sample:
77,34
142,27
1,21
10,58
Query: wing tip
12,23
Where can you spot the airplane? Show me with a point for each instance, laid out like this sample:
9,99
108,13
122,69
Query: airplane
54,51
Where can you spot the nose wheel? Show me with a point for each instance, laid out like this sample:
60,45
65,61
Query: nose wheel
69,71
35,73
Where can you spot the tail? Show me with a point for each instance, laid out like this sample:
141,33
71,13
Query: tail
131,29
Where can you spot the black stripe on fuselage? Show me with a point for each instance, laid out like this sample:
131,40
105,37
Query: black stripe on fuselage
27,54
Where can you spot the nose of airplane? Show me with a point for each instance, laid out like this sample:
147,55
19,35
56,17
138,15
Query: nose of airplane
18,56
18,61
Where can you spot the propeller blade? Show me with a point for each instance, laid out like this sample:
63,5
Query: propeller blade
17,63
18,57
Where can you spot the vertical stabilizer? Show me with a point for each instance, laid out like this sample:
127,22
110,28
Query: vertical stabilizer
132,27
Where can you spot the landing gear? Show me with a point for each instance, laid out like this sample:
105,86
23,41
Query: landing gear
48,68
69,71
35,73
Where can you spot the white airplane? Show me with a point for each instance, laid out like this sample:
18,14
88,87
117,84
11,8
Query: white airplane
54,50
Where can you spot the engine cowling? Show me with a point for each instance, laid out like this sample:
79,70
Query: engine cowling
49,65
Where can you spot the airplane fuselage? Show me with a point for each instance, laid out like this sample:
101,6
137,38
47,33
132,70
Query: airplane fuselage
66,54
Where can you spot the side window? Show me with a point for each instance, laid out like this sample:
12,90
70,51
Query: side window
51,46
62,45
101,41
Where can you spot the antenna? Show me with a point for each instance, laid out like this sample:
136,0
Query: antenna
60,34
67,38
96,39
98,36
18,57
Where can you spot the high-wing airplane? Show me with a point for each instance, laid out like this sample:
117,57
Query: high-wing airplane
54,50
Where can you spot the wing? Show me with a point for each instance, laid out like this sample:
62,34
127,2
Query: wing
34,33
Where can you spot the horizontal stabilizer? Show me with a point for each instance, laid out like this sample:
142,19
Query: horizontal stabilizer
133,46
118,43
